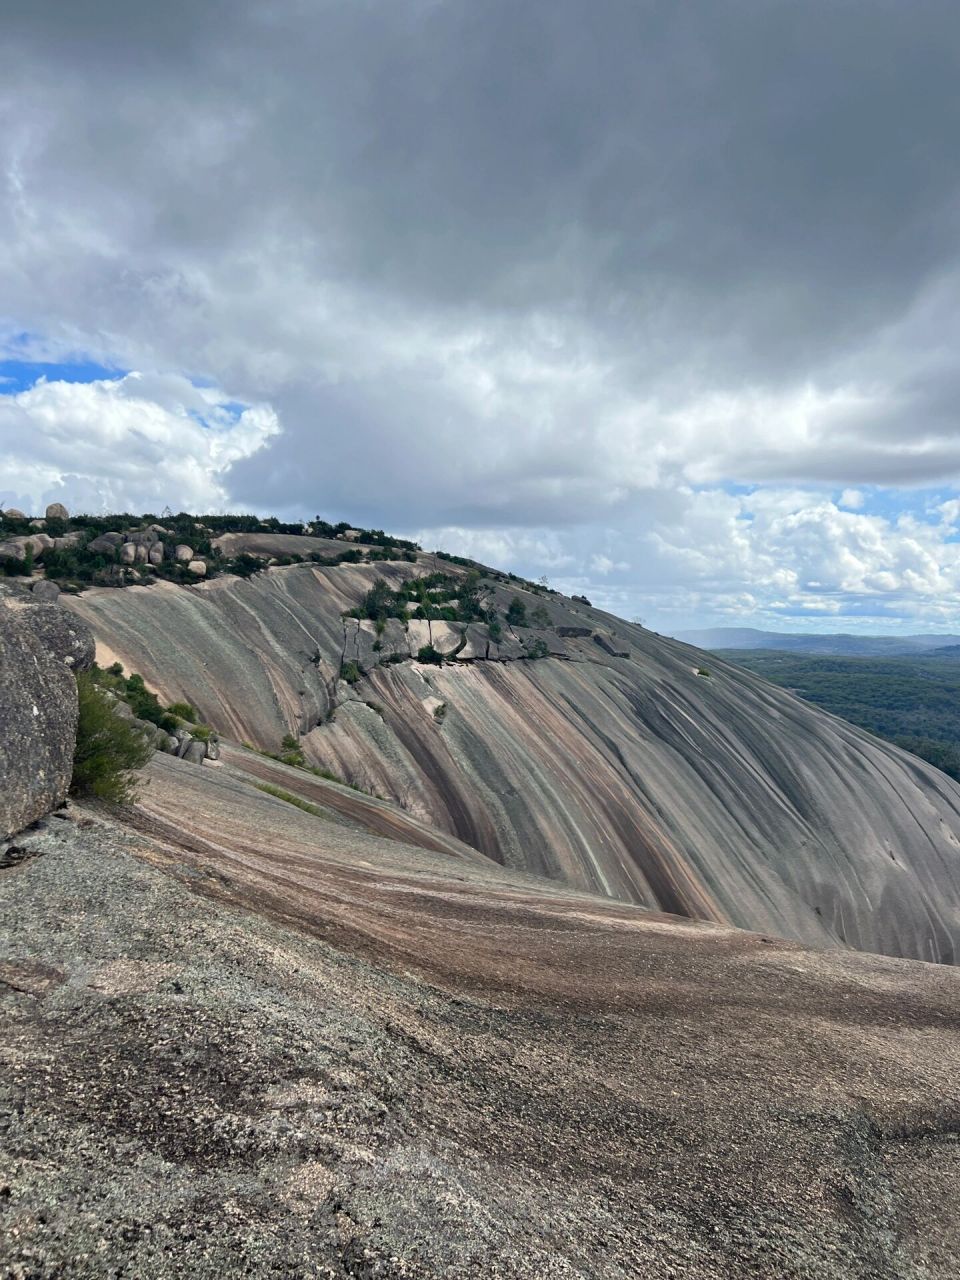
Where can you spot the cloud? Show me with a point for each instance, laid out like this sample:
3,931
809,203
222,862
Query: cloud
133,443
555,279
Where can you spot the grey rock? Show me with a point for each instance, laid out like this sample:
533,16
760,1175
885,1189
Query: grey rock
183,742
155,554
198,568
141,552
105,543
14,513
37,524
38,725
128,553
196,752
183,553
17,547
57,511
213,749
65,636
45,591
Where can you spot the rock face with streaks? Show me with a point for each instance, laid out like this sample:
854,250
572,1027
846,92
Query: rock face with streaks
38,721
586,749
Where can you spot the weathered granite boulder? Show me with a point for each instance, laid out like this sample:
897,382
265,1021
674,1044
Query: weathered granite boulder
198,567
213,749
45,591
38,725
155,553
128,553
141,537
106,543
62,634
57,511
17,547
14,513
183,553
196,752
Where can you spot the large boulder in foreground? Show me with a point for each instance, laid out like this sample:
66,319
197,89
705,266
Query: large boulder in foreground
64,635
38,725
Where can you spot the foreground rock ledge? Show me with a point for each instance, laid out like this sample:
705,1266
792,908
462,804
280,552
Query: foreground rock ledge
331,1056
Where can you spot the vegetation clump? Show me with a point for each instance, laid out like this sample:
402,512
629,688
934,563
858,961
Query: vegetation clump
517,613
290,798
110,748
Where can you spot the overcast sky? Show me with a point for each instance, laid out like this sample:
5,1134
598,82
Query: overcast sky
658,299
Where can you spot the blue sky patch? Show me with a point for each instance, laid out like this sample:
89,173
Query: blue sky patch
20,375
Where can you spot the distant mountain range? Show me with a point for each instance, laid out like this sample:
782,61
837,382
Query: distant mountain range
830,645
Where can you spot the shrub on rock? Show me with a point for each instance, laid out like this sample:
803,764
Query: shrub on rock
110,747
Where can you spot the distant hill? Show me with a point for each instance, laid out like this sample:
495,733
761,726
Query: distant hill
911,700
800,642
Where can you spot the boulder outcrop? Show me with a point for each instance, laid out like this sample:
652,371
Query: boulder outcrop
38,723
57,511
46,591
105,543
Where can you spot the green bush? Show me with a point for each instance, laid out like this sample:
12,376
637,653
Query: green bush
429,654
184,711
517,613
109,747
350,672
280,794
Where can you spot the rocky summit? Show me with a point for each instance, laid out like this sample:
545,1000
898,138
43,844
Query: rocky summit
495,937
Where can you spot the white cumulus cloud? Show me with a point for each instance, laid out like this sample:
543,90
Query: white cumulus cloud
134,443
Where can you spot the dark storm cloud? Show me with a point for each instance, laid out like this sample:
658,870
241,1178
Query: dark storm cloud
504,263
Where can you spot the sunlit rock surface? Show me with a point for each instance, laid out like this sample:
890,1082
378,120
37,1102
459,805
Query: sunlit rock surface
610,764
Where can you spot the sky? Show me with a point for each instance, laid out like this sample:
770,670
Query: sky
659,300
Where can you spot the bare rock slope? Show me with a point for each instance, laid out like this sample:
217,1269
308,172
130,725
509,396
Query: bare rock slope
237,1038
585,749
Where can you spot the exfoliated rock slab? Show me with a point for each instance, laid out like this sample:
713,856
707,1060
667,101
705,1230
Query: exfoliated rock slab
38,725
444,636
